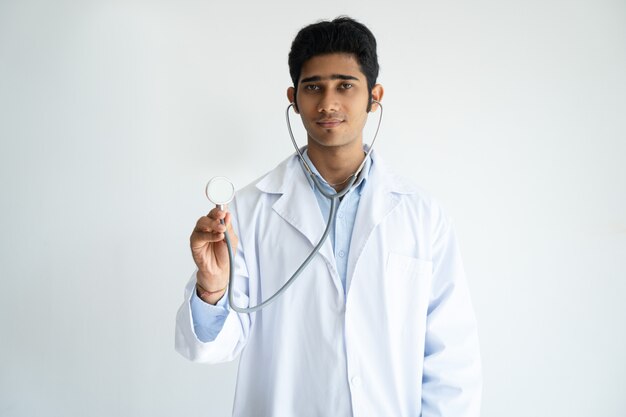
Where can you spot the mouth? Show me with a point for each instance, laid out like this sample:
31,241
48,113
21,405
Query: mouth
329,123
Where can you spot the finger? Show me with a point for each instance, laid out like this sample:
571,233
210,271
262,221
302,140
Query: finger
216,213
228,224
206,224
227,220
200,239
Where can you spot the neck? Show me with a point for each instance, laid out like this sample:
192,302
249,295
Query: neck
336,164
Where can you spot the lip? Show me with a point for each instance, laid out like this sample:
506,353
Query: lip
329,123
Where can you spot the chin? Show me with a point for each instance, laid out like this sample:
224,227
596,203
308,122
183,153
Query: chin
331,143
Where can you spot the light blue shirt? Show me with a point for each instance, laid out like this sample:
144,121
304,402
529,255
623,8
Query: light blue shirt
343,224
209,319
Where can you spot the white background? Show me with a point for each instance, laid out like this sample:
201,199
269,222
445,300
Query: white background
113,114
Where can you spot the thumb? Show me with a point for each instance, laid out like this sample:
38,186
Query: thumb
231,232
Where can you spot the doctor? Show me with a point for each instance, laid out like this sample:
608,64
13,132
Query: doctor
380,323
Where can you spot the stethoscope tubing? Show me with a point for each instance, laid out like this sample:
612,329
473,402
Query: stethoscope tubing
334,202
333,211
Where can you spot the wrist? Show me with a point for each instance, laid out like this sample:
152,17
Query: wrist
209,297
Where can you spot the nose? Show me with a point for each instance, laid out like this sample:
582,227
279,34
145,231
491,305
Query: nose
329,102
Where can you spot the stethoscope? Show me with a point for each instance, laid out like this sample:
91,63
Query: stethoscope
221,191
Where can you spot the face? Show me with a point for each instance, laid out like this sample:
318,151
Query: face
332,101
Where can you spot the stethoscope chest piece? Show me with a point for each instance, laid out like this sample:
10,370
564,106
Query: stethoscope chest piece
220,191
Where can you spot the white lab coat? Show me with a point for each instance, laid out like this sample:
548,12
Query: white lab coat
404,343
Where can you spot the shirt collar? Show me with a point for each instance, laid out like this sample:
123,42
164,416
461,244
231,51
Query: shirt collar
358,185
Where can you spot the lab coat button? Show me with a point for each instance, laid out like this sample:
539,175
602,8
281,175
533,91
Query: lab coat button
356,381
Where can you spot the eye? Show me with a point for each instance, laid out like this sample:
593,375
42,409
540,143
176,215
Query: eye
346,86
311,87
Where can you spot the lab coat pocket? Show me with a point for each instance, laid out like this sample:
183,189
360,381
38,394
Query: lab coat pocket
407,289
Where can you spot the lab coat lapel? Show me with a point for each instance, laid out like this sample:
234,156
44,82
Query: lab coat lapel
379,197
299,207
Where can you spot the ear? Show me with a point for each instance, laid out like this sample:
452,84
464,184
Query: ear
291,96
377,94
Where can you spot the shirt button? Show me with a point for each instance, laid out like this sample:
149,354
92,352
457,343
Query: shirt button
340,215
341,254
356,381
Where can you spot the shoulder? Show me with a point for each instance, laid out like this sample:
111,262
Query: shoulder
273,181
405,189
401,185
269,185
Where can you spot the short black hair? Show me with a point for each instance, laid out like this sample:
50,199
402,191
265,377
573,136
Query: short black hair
341,35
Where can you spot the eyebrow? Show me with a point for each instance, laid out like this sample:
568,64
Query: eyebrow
316,78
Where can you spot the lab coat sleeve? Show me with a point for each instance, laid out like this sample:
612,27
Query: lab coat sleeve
452,380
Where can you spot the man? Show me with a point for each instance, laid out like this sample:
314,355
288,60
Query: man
380,323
